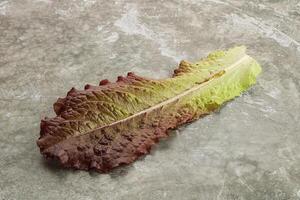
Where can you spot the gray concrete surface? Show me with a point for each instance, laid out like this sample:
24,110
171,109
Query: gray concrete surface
247,151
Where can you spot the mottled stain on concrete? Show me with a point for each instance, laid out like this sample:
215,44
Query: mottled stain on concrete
249,150
130,24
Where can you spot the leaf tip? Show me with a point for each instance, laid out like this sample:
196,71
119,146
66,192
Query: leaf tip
87,86
130,74
72,91
58,105
121,78
104,82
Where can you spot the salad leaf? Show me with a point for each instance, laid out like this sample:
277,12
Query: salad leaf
102,127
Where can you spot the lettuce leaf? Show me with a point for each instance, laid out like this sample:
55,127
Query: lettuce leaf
102,127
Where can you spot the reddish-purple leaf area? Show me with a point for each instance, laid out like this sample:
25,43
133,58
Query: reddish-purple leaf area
102,127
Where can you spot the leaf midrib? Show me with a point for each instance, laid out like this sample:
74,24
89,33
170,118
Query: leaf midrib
173,99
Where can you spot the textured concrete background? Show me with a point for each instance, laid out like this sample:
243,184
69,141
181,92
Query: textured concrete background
247,151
